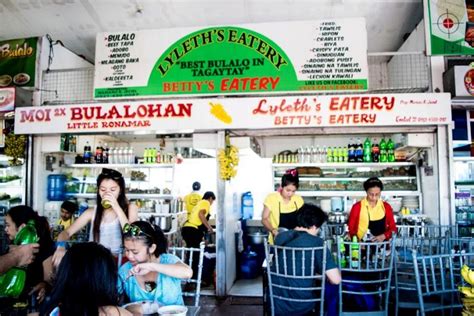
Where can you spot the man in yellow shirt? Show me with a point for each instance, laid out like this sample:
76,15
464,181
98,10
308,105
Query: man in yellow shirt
192,199
68,208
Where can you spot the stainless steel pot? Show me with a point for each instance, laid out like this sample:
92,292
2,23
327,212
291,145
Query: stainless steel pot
257,238
164,222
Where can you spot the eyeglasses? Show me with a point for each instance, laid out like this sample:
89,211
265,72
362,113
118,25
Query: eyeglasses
133,230
110,173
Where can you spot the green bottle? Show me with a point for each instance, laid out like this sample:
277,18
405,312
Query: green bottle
383,151
13,281
355,252
367,150
342,250
390,150
329,156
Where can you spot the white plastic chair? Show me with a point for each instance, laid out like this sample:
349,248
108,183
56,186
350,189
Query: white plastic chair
295,277
187,255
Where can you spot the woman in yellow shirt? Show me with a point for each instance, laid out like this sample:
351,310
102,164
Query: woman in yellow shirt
280,208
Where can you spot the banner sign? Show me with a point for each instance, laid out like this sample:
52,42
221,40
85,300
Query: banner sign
450,27
237,113
306,56
7,99
18,62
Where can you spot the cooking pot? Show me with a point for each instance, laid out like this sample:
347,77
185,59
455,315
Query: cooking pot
164,222
257,238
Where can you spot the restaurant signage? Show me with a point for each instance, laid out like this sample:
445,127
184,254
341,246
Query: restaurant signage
7,99
449,27
18,62
303,56
237,113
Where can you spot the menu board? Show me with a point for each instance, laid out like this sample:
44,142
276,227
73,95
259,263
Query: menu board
305,56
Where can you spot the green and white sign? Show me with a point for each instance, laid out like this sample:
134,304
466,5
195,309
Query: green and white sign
449,27
329,55
18,62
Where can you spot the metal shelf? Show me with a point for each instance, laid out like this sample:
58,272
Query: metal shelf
121,166
354,193
344,164
323,179
129,196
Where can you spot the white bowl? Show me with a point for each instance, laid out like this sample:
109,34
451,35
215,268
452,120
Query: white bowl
173,310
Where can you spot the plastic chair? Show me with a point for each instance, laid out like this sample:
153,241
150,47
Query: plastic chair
435,283
404,282
187,255
366,278
296,279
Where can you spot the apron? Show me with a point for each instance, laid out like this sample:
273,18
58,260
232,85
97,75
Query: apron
288,220
376,227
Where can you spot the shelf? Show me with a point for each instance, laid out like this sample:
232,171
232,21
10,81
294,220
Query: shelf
323,179
344,165
111,166
128,195
354,193
464,159
464,183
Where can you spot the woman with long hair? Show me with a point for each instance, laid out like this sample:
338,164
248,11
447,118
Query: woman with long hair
86,283
112,212
151,273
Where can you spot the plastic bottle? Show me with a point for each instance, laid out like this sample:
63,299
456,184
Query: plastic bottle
354,252
329,155
98,153
351,151
390,150
359,151
105,153
87,153
247,205
131,155
153,155
342,251
13,281
383,150
367,150
375,151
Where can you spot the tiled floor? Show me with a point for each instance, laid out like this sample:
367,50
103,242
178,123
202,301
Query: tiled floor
231,306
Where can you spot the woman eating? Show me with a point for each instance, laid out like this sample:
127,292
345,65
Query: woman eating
112,212
151,274
280,208
371,213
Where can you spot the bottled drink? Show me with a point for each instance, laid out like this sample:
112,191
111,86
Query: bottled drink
375,152
390,150
131,155
105,154
329,155
73,144
300,155
66,142
354,252
383,150
153,156
314,154
87,153
307,158
351,151
13,281
98,153
159,160
367,150
345,154
342,251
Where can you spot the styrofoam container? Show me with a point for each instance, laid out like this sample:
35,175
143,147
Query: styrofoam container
173,310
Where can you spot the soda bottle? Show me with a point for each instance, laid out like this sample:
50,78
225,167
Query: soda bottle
87,153
359,151
351,151
383,151
105,153
98,153
342,251
375,151
329,154
367,150
354,252
390,150
13,281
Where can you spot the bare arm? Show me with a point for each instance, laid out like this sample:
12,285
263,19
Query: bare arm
178,270
18,256
202,217
266,221
132,213
334,276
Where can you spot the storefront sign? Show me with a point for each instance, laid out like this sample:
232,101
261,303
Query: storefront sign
254,58
7,99
18,62
237,113
450,27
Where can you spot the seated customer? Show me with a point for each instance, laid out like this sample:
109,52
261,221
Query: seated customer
68,208
86,283
151,273
309,220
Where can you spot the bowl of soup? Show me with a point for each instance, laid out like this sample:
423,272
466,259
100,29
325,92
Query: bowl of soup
143,308
172,310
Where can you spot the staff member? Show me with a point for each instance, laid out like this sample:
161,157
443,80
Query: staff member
193,198
372,213
280,208
68,208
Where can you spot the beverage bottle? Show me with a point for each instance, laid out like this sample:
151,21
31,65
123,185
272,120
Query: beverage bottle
159,160
73,145
66,142
323,154
98,153
351,151
317,155
300,155
342,251
61,143
367,150
329,156
131,155
383,151
346,154
153,155
314,155
341,153
375,151
390,150
105,153
308,155
354,252
13,281
87,153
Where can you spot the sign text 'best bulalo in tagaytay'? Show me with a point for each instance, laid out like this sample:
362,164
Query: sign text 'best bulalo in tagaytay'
237,113
310,56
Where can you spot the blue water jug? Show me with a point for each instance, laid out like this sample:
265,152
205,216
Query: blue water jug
56,187
247,205
249,265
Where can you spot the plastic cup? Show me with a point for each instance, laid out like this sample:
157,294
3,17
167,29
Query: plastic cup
106,204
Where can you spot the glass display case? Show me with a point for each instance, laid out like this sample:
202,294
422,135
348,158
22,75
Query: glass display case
320,181
464,194
12,185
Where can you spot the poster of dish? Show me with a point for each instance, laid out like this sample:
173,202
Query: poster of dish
7,99
18,62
